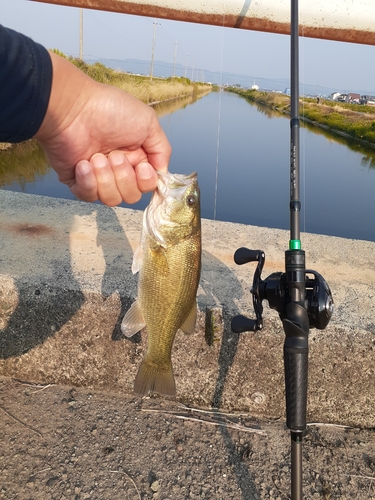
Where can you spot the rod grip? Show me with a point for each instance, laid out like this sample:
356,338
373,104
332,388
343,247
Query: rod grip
296,373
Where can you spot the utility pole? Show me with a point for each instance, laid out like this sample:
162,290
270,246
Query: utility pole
174,61
81,33
192,72
187,57
153,49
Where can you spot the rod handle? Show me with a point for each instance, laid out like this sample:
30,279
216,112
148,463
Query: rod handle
296,373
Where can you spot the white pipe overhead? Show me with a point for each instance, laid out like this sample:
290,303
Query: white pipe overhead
340,20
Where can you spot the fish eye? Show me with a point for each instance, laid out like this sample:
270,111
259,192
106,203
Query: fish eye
191,200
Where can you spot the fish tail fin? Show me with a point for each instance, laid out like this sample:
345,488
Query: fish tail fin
151,378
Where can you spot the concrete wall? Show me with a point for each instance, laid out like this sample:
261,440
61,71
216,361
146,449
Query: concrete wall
66,282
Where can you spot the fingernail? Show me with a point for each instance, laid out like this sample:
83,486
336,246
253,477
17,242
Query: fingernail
117,158
144,170
99,161
84,167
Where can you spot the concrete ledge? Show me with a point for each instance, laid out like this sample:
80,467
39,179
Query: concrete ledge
66,282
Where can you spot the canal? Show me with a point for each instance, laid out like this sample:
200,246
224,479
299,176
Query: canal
241,153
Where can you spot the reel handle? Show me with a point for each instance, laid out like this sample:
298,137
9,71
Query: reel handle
242,324
244,255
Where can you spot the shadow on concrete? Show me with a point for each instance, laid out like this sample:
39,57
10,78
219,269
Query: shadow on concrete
221,287
117,276
44,306
41,311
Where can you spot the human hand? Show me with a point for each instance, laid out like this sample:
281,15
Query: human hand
102,142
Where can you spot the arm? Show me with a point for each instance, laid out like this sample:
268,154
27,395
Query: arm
102,142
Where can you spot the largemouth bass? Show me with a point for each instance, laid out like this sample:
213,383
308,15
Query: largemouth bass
169,262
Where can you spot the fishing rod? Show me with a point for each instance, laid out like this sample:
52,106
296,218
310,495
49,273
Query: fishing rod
301,296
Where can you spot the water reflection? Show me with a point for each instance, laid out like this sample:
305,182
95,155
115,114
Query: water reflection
22,163
368,152
169,107
241,154
266,110
368,159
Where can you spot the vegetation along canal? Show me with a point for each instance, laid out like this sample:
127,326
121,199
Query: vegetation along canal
241,153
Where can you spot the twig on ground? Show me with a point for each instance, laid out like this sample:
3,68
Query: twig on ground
20,421
223,423
130,479
322,424
40,471
213,411
41,387
370,478
238,427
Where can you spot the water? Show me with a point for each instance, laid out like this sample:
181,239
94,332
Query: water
247,151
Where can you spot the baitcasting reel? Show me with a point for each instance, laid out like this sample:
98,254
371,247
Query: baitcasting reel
318,300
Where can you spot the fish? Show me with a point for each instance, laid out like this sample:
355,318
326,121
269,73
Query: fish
168,260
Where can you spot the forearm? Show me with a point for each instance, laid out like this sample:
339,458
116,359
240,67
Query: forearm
65,103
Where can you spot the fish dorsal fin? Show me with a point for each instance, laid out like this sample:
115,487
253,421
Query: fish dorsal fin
188,325
133,320
137,260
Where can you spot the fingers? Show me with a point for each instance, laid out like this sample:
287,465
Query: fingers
157,147
146,177
84,187
113,179
125,180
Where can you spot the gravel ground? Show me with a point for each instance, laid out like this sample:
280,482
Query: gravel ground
60,442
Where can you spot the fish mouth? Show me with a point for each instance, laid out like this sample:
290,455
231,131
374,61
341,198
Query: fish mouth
169,181
169,186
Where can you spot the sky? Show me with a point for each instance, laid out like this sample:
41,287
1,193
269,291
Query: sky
343,66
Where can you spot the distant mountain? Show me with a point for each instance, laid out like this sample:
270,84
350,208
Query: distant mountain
165,69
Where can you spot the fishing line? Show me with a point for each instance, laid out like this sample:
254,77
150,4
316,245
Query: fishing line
219,120
212,280
303,135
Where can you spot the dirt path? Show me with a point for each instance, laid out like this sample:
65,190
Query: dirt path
65,443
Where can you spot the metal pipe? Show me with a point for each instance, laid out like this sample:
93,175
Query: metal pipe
340,20
153,49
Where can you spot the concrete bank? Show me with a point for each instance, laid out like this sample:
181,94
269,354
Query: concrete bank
66,282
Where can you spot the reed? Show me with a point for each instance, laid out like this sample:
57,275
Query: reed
146,89
355,121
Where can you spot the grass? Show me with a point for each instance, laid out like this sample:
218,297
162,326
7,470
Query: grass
143,88
356,121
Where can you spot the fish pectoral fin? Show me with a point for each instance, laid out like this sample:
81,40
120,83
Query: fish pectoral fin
137,260
133,320
188,325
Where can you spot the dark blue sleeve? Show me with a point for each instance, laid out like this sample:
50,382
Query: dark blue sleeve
25,85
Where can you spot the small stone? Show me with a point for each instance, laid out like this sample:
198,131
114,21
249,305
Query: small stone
155,486
214,325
